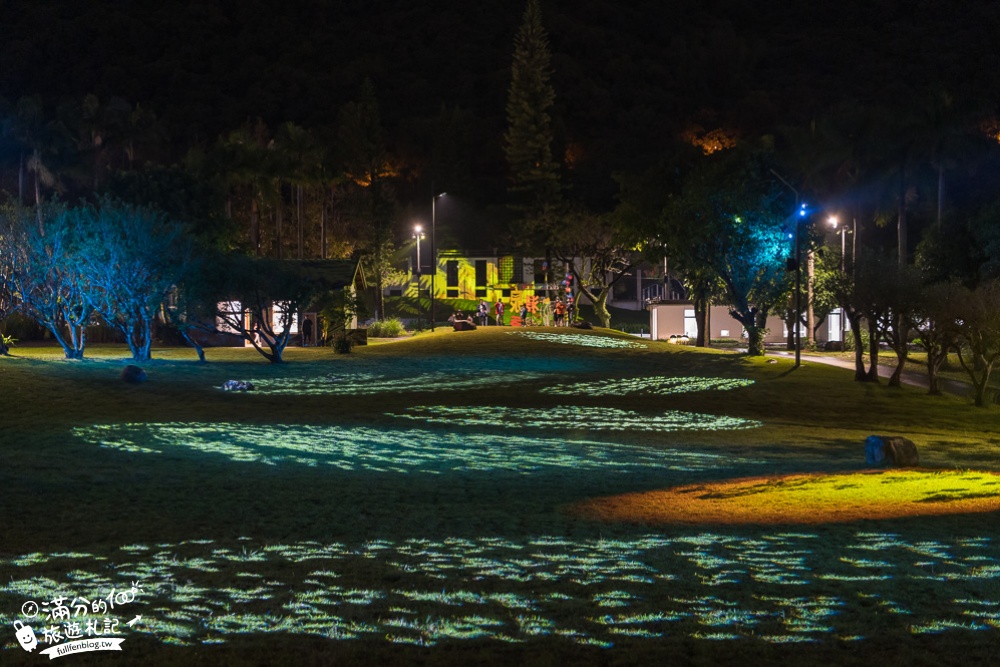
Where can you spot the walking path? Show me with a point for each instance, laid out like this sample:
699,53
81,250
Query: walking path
913,378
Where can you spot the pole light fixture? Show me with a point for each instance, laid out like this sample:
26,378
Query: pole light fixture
418,234
801,208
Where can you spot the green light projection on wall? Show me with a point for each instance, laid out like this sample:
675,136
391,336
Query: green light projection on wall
575,418
412,450
659,384
591,591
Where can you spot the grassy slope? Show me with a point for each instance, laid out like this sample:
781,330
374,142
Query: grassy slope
60,492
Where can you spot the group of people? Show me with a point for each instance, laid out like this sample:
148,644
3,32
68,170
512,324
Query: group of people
562,313
483,312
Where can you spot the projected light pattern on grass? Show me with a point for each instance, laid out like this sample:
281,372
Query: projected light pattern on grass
579,339
574,418
393,451
590,591
367,376
660,385
816,498
368,384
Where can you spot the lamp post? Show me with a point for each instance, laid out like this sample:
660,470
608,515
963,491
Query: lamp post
800,212
418,234
434,250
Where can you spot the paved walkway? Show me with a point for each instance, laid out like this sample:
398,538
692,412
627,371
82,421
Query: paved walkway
913,378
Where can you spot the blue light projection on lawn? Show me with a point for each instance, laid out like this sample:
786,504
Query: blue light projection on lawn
590,591
369,384
659,384
371,376
394,451
570,417
585,340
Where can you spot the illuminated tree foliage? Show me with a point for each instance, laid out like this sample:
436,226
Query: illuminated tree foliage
935,320
132,258
728,219
599,252
44,275
978,340
258,299
7,303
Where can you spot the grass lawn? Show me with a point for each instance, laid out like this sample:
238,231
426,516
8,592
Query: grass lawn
494,497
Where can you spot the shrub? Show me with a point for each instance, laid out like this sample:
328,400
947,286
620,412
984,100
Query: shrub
342,343
849,340
635,327
391,328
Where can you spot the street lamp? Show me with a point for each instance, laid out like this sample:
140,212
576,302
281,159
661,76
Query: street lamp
418,233
434,250
801,210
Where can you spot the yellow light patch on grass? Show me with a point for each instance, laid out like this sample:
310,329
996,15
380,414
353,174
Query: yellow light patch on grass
806,499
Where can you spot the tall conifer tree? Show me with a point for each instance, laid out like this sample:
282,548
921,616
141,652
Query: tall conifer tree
528,140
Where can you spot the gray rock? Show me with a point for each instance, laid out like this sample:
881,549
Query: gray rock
133,374
891,451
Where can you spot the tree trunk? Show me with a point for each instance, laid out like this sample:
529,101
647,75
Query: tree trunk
859,349
702,318
899,337
872,375
199,350
601,307
934,359
138,334
896,379
755,339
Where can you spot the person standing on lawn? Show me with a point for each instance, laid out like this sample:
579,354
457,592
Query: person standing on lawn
498,309
560,312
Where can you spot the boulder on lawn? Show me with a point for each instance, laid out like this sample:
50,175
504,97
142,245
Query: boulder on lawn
464,325
901,453
834,346
892,451
237,385
582,324
133,374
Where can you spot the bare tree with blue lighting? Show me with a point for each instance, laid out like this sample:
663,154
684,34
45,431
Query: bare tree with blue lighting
42,271
132,258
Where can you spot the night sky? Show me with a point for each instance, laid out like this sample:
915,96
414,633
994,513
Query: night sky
629,77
